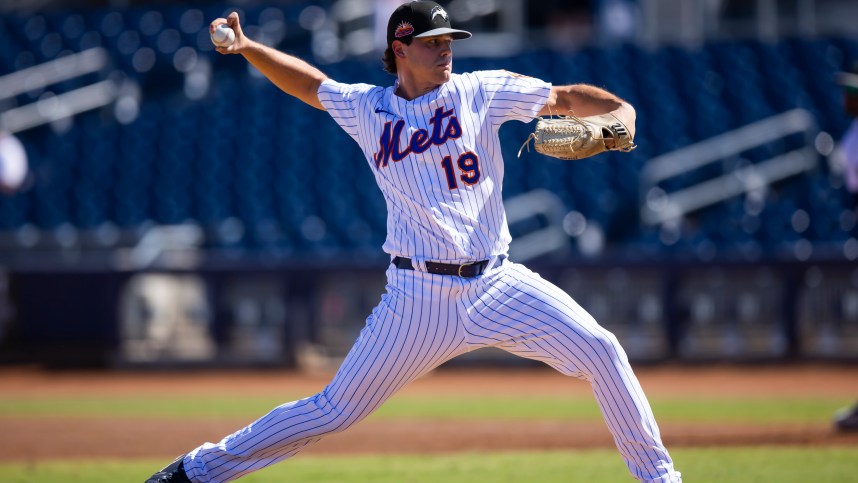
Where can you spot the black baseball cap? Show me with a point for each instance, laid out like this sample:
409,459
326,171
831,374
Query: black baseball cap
419,19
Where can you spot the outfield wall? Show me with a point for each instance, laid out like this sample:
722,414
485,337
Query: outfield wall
309,316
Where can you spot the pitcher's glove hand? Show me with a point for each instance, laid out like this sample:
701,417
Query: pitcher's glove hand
571,137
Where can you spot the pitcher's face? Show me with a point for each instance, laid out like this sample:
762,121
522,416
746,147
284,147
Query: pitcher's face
430,59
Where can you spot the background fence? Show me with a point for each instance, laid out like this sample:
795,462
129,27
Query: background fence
309,317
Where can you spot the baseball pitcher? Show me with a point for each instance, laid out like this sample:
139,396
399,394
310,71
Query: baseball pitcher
431,140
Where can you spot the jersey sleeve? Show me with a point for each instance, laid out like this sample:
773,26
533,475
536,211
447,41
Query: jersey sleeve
346,103
513,96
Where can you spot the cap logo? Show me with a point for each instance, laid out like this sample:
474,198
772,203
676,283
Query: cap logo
404,29
436,11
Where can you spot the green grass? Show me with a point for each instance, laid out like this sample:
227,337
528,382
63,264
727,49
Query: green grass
675,409
686,409
746,464
739,465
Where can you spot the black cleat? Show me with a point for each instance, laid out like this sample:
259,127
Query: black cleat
847,419
172,473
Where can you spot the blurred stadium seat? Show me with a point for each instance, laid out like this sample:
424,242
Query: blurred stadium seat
246,152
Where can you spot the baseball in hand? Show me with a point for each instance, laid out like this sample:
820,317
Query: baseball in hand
223,36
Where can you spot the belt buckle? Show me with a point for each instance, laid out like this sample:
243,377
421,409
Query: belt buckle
459,271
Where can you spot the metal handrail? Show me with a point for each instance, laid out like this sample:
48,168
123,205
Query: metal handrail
670,206
724,145
53,108
52,72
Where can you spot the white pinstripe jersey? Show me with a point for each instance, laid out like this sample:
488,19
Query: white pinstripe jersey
437,158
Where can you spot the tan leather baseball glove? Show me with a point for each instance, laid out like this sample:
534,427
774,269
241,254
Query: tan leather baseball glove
571,137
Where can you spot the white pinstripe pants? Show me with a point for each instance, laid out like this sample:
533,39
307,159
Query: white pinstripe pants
424,320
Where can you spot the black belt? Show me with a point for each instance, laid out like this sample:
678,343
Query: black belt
467,270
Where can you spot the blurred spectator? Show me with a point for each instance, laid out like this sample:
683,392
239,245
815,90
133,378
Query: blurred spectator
849,145
13,163
847,419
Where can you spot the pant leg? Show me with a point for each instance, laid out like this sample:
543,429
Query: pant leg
515,309
414,329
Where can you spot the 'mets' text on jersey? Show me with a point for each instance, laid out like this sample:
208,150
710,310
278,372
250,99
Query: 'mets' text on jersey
421,139
437,158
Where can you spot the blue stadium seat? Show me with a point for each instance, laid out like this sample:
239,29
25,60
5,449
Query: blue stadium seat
242,156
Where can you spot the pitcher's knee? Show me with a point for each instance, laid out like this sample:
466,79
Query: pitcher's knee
609,342
591,351
604,346
595,336
333,418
